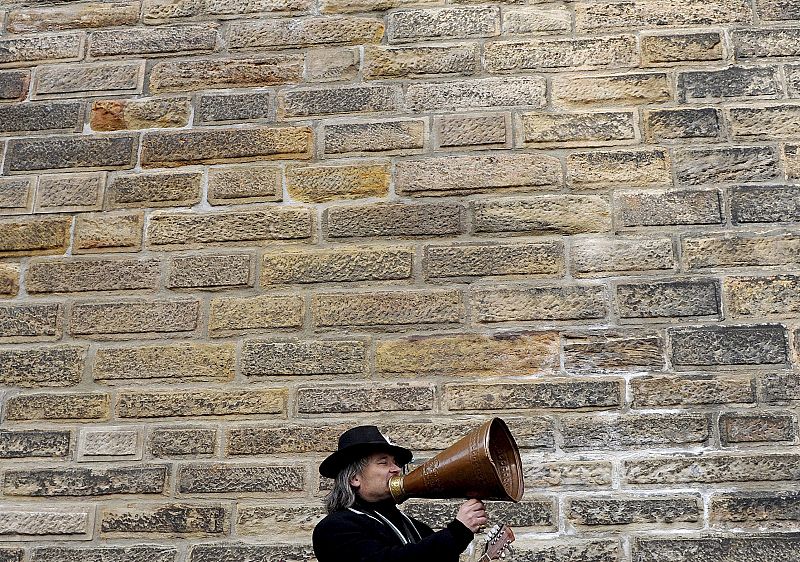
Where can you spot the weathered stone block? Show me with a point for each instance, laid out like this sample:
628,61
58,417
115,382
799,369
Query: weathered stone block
169,362
174,519
454,175
659,49
41,116
634,511
490,259
712,469
170,149
157,11
337,265
399,136
567,474
668,208
779,121
242,551
133,317
14,84
592,16
65,275
70,192
142,553
781,387
22,51
197,403
97,78
283,439
731,82
32,523
209,271
115,115
332,101
30,322
628,89
365,398
730,345
574,551
415,62
43,366
689,123
470,354
613,352
41,406
596,169
668,299
755,509
235,108
543,215
284,520
235,314
290,34
394,219
267,358
549,394
244,184
387,308
33,444
443,23
8,554
108,232
525,304
668,391
152,41
772,203
723,165
359,6
741,547
791,154
317,184
53,482
218,478
738,250
577,129
753,428
762,296
94,444
9,280
15,194
472,130
553,54
535,20
598,256
251,72
74,152
535,514
176,441
171,189
634,432
253,225
469,94
56,18
777,10
759,43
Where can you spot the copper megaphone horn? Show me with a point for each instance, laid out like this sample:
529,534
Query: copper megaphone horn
484,464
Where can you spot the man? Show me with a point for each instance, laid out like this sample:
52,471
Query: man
363,523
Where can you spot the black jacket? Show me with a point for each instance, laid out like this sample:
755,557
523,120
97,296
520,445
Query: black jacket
359,535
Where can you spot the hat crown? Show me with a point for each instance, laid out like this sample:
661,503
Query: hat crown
361,434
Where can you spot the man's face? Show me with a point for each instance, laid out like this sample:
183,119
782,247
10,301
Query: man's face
372,483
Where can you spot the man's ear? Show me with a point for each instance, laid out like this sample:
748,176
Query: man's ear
355,481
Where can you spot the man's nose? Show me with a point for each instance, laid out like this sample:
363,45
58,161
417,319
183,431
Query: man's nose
393,468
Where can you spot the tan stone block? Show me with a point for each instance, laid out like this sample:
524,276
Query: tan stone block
342,100
198,403
603,16
452,22
108,232
472,260
613,352
15,194
252,72
670,391
109,443
413,62
536,20
547,394
172,363
159,11
528,91
567,474
284,522
216,271
318,183
19,51
153,41
393,219
165,520
9,279
263,312
791,156
43,366
244,184
387,308
35,235
70,152
627,89
571,54
348,264
452,175
772,122
775,295
172,189
97,78
75,275
624,167
21,322
577,129
315,31
254,225
471,130
55,18
133,317
370,398
660,49
360,6
65,192
739,250
282,439
115,115
14,84
58,406
546,214
235,480
170,149
332,64
599,256
517,303
300,357
392,137
470,354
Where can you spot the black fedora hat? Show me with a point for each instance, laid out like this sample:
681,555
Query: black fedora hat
359,442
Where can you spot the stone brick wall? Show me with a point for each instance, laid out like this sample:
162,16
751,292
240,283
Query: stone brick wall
230,229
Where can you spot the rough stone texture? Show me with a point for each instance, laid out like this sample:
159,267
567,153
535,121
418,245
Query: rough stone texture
182,76
105,78
76,153
25,444
43,366
554,54
394,137
183,520
472,94
588,170
157,11
9,280
374,398
668,299
177,442
479,260
543,215
108,233
69,191
468,130
88,274
668,208
244,184
755,509
232,479
332,101
215,108
14,84
209,271
446,23
596,257
113,115
638,432
287,34
756,204
184,38
711,469
29,322
762,296
136,553
176,403
303,357
387,308
362,263
579,129
172,189
56,18
676,124
557,394
26,50
595,352
182,361
614,89
526,304
41,116
399,62
244,551
563,551
256,520
607,15
32,522
133,317
731,82
74,406
112,442
691,391
288,439
730,345
660,49
754,428
633,511
393,219
55,482
738,250
15,194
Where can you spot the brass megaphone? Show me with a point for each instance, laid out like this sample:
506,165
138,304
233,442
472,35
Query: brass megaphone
484,464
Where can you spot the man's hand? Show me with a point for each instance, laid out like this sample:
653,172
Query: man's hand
472,514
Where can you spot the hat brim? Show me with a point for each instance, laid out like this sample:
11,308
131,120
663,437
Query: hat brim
336,461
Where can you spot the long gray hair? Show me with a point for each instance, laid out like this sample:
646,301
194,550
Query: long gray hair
342,495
